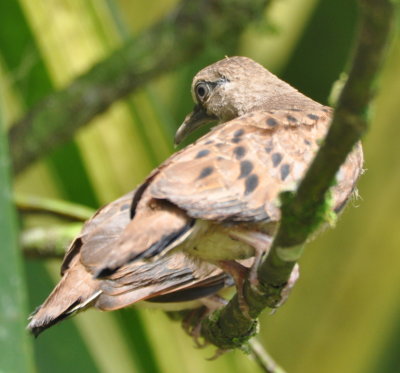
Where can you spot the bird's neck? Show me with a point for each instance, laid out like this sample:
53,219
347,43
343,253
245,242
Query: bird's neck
293,100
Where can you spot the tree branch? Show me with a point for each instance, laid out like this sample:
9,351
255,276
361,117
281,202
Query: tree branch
178,38
48,242
62,209
263,359
302,211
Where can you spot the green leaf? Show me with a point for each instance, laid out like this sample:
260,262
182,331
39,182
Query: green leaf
15,348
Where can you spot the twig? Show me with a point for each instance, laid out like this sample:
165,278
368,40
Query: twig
263,359
48,243
166,45
63,209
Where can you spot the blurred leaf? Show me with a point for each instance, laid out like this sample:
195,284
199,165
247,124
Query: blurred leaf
322,52
32,81
25,64
15,348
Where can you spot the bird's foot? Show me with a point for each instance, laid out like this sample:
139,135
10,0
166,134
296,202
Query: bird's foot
219,352
261,242
294,276
191,324
239,274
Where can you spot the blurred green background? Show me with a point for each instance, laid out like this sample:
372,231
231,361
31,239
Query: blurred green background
343,315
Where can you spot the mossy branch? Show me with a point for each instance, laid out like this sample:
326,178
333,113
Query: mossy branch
301,211
165,46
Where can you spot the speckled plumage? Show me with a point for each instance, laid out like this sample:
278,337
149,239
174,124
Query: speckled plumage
215,200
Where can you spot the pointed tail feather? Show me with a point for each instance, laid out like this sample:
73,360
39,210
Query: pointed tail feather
75,292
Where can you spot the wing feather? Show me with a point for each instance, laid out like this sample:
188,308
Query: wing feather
236,172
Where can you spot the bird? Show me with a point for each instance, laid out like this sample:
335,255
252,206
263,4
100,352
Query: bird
181,235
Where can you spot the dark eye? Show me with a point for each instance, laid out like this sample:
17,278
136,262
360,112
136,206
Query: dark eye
202,91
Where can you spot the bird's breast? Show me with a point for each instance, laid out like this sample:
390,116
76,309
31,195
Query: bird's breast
212,242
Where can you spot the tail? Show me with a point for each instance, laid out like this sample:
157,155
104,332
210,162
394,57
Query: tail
75,292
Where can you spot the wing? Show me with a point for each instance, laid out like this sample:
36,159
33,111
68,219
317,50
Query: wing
174,278
101,231
102,234
236,172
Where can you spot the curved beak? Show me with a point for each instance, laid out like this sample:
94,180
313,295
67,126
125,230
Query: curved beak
197,118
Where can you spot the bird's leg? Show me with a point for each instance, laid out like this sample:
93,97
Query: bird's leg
261,243
239,274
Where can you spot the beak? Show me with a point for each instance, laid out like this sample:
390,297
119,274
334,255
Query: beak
194,120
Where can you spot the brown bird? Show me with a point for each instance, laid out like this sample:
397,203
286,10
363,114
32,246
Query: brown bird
212,203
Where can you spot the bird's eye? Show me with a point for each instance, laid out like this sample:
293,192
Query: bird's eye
202,91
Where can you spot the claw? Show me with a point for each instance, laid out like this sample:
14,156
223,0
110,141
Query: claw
290,284
192,322
219,352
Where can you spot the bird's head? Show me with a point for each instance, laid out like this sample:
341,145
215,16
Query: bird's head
230,88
